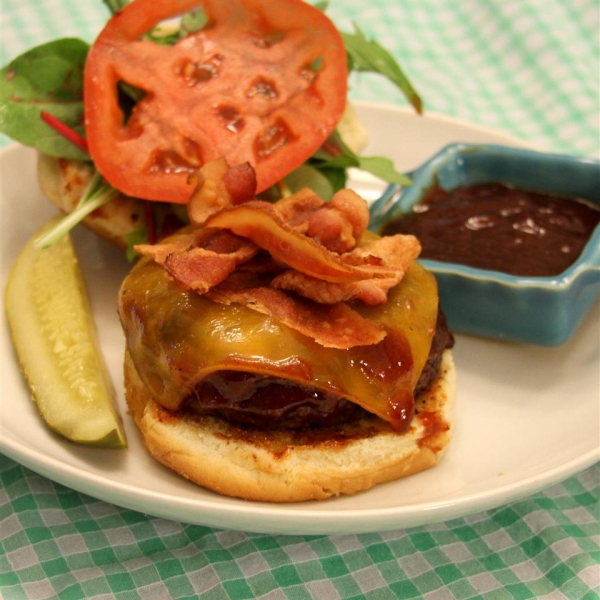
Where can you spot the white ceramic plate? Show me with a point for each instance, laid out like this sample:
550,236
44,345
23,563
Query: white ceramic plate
527,416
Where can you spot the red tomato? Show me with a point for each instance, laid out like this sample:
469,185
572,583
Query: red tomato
264,82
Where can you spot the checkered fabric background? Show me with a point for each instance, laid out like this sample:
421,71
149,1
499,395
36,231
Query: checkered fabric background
528,67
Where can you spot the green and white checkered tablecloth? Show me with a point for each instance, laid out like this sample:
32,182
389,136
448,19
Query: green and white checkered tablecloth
530,68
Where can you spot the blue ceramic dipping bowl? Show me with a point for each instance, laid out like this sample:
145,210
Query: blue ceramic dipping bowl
538,310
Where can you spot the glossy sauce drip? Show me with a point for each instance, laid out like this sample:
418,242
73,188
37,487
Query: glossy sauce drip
497,227
433,426
260,401
264,402
394,362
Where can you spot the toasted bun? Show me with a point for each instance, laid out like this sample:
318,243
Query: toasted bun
278,466
64,182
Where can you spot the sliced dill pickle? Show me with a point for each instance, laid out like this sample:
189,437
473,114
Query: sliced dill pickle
55,338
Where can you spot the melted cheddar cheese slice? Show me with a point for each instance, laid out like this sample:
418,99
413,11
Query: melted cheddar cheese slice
176,338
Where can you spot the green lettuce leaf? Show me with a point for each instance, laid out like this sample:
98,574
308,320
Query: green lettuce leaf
368,55
46,78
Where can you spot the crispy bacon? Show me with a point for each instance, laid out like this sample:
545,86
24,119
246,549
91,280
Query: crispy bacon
179,242
217,186
296,260
296,209
331,325
329,228
159,252
240,183
370,291
209,262
198,269
261,223
336,225
222,241
197,259
397,251
354,208
209,195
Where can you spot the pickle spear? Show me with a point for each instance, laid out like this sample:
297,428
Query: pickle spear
55,338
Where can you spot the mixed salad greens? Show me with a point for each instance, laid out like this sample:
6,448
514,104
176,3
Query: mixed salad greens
42,105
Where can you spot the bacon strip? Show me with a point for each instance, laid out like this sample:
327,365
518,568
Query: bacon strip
240,183
311,250
199,259
159,252
218,186
179,242
261,223
208,264
331,325
199,269
336,225
370,291
296,209
397,251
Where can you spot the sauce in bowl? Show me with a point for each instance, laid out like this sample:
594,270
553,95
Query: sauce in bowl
501,228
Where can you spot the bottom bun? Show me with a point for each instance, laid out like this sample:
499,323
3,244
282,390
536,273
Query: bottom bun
286,466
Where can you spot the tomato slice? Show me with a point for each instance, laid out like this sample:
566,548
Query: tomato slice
265,82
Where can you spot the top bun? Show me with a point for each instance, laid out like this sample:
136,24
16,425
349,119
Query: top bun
64,182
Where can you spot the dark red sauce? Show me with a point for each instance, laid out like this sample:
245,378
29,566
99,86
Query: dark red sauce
433,425
255,400
391,361
501,228
263,402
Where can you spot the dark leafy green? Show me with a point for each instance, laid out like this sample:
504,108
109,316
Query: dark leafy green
46,78
368,55
307,175
49,78
139,236
343,158
115,5
190,22
193,21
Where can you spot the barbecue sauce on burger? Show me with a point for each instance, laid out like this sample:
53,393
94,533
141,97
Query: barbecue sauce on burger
263,402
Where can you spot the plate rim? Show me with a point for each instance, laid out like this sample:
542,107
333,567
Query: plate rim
316,518
535,483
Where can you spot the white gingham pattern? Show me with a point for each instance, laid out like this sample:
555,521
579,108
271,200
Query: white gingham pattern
528,67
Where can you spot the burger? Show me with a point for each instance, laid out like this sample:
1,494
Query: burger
275,349
280,352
